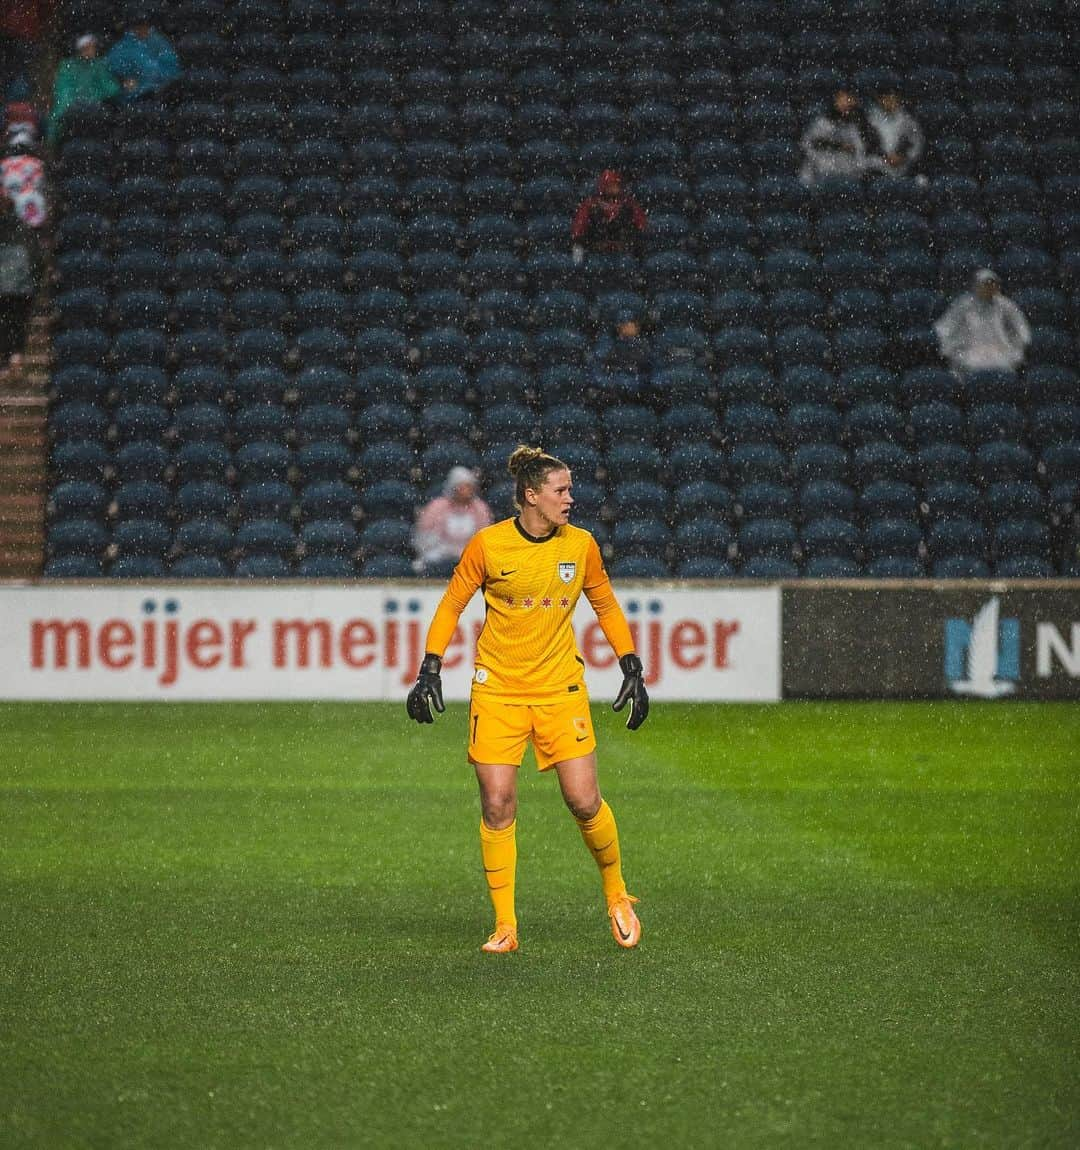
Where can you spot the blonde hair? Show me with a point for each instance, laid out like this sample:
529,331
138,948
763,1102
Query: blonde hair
529,467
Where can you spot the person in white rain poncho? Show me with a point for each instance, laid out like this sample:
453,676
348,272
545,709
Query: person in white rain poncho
983,329
834,146
448,522
899,137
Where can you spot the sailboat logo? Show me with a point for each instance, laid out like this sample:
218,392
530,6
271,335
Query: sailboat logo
982,658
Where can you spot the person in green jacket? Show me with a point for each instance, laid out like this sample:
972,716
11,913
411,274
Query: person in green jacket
80,79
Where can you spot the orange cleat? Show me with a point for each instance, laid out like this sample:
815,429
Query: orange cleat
503,940
625,924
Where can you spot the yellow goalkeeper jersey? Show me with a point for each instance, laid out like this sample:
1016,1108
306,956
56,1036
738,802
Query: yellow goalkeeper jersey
526,651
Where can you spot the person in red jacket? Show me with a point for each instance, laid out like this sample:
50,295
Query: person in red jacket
610,221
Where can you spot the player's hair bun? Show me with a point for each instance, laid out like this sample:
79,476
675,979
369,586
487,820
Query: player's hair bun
521,457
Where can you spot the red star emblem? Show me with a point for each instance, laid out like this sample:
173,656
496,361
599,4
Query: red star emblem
509,600
526,602
545,602
564,602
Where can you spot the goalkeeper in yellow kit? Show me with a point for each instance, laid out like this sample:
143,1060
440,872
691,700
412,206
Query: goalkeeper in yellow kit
529,684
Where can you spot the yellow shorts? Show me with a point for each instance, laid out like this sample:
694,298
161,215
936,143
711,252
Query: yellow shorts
499,730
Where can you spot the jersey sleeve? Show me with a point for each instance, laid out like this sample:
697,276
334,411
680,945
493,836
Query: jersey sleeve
601,596
467,579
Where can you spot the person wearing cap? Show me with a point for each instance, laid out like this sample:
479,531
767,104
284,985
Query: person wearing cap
143,60
20,114
897,138
448,522
610,221
83,78
982,329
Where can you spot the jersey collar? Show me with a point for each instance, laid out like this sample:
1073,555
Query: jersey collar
533,538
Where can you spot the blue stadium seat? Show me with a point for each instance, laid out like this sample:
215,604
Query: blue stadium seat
261,536
751,423
266,499
769,567
198,567
700,497
960,567
385,536
263,567
748,462
888,499
825,497
203,499
323,460
646,537
813,461
832,567
767,537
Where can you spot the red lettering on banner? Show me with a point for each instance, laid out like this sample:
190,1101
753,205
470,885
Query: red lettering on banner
722,632
686,643
115,641
651,650
149,648
172,654
239,631
357,636
415,640
595,647
301,631
453,657
654,659
391,643
60,633
203,646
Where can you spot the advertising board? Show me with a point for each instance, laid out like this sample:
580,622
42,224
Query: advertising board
304,641
987,641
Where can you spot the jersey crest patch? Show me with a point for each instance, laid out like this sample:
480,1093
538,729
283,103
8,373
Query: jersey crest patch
567,571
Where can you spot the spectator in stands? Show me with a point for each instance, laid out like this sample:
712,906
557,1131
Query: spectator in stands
20,268
22,178
610,221
143,60
835,144
448,522
898,140
20,115
21,25
983,329
80,79
621,358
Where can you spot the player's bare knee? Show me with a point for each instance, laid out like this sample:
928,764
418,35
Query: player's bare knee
498,810
584,807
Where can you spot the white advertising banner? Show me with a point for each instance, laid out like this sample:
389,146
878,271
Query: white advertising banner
305,641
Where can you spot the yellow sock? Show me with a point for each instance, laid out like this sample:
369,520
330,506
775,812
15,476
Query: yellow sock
602,838
499,852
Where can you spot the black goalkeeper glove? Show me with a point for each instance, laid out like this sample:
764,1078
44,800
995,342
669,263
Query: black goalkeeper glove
632,691
427,693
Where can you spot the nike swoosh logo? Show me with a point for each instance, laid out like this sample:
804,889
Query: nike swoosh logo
510,572
581,738
622,934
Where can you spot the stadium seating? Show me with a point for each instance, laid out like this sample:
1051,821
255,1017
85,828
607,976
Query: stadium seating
338,263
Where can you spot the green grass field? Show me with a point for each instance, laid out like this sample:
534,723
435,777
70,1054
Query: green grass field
258,926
